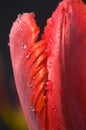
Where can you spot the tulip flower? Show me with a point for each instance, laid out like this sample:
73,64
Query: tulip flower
50,73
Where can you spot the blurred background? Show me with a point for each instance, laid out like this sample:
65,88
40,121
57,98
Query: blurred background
11,115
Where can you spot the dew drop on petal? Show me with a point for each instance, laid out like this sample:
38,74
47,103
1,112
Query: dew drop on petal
30,85
28,55
48,51
53,107
24,46
19,15
50,40
32,109
21,29
45,87
33,77
49,85
56,125
8,44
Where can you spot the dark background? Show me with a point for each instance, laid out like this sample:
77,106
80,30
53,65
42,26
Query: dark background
9,11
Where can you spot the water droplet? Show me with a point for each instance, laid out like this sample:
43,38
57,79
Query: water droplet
32,109
45,87
53,107
30,85
33,77
50,40
28,55
19,15
8,44
56,125
48,51
21,29
24,46
49,85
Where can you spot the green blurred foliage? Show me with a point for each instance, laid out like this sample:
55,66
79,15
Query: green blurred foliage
14,118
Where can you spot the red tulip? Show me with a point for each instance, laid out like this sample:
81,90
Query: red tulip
50,74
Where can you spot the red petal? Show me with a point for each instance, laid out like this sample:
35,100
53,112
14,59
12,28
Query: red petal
23,33
75,66
66,38
50,74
